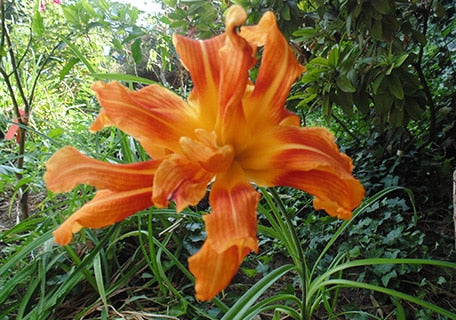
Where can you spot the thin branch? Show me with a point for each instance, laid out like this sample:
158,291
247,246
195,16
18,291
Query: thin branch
29,44
35,82
346,129
454,206
16,76
9,86
419,69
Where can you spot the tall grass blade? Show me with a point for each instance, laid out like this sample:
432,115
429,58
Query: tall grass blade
99,279
392,293
241,307
122,77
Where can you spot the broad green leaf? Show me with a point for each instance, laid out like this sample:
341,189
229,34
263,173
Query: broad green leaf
178,24
344,84
382,6
399,60
2,52
319,61
133,14
395,86
285,13
104,4
68,66
345,101
71,16
333,59
37,23
311,75
116,42
242,3
397,119
414,110
377,82
136,50
326,107
170,3
56,132
418,36
439,9
89,8
8,169
382,103
376,29
305,33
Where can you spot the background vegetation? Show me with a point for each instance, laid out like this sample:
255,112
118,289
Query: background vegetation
380,74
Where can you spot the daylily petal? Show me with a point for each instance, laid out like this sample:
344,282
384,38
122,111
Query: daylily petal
307,159
180,180
231,233
214,270
101,122
279,69
153,115
68,167
337,195
201,59
233,220
105,209
237,59
205,151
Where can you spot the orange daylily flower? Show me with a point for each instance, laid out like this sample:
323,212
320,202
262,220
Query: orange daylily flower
229,133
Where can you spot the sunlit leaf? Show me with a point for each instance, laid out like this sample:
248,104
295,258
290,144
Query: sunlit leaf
136,50
37,23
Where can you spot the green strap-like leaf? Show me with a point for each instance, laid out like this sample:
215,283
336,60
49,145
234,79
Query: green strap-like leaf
241,307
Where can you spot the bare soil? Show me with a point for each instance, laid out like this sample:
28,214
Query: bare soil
7,218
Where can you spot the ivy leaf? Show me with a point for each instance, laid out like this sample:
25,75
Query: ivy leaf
392,236
387,277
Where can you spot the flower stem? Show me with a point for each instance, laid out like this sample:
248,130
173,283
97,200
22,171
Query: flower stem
298,256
